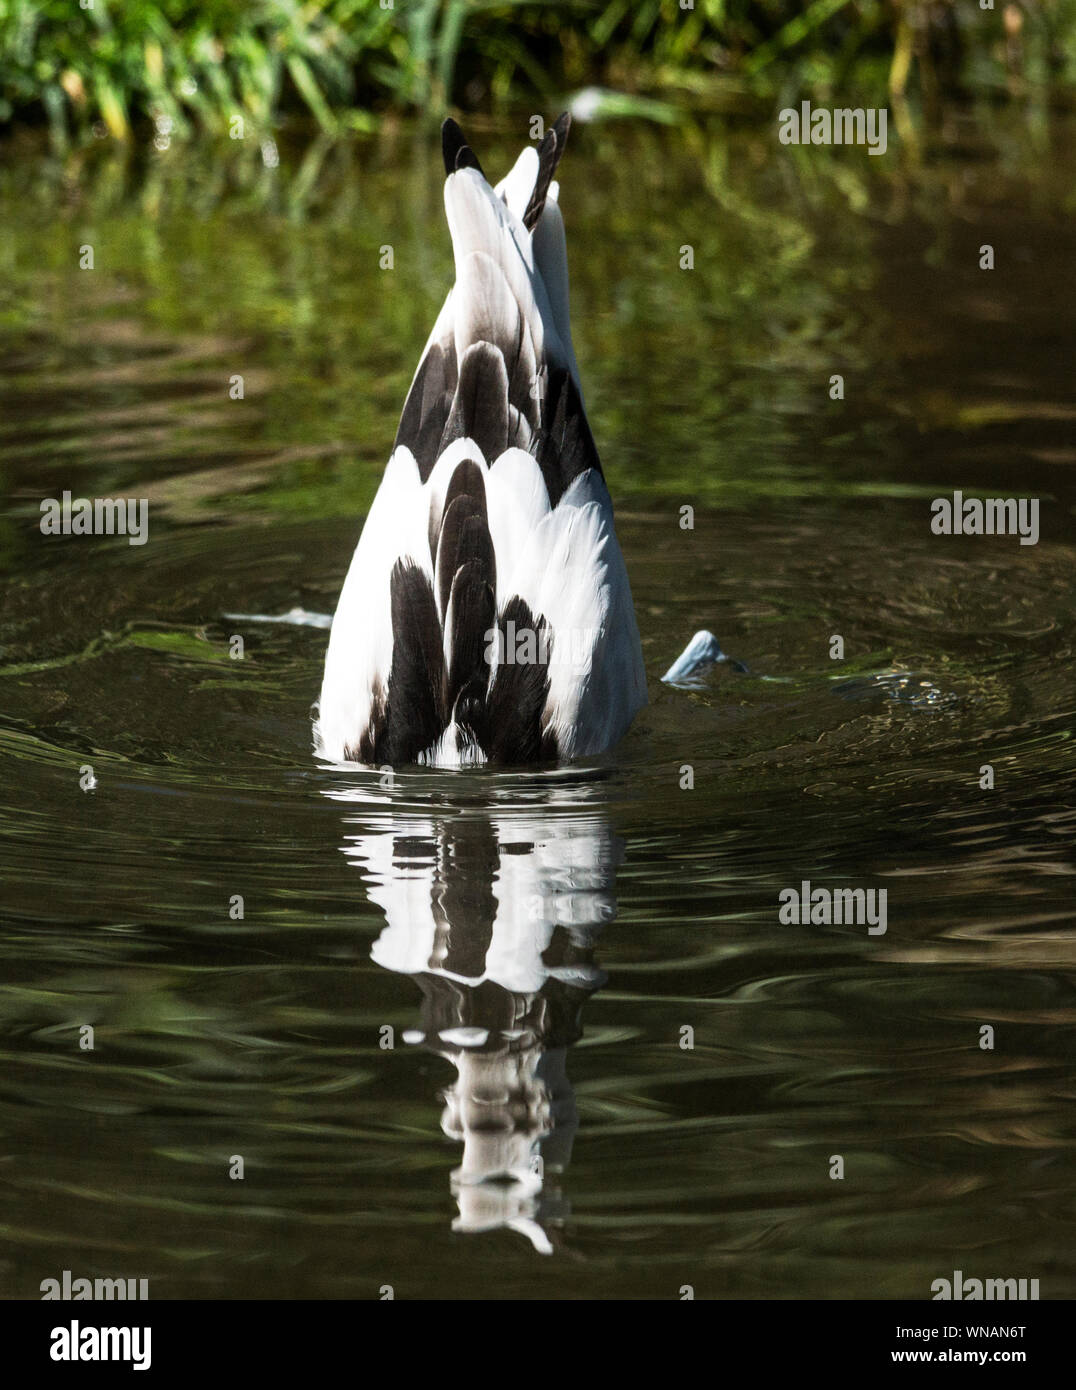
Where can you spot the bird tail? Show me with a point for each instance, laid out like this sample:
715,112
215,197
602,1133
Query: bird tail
468,542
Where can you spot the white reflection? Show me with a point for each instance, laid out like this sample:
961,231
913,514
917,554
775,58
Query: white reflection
494,896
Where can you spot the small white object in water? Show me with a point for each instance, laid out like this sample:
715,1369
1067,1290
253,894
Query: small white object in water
413,1036
296,617
702,650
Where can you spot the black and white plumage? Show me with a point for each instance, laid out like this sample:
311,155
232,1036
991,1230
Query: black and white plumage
486,615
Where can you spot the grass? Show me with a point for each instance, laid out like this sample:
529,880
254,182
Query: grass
176,68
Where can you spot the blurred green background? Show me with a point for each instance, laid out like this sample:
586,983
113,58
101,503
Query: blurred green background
346,64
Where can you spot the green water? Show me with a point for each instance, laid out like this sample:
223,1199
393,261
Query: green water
662,1165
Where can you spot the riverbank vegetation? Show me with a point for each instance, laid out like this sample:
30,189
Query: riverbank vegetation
176,68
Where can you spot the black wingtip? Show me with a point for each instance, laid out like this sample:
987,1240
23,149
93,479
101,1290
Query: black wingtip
455,150
452,140
550,152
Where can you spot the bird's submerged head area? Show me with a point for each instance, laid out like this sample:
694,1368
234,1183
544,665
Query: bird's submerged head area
491,518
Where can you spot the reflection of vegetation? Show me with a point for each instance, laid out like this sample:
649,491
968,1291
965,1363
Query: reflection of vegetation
316,312
202,273
186,64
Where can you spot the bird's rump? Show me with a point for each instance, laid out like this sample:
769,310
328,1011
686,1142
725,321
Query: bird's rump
486,615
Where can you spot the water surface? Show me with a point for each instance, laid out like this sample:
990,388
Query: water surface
538,943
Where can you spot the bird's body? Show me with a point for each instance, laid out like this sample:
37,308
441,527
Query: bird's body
486,615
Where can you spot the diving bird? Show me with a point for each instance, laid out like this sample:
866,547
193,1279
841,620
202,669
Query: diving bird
486,616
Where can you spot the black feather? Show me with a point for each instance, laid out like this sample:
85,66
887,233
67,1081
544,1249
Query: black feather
566,446
480,405
463,531
471,619
366,752
549,155
428,405
455,150
414,717
519,694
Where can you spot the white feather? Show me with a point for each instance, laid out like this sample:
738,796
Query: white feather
516,187
481,223
361,640
517,500
551,260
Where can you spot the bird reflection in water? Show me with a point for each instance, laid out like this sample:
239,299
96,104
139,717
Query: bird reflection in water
494,907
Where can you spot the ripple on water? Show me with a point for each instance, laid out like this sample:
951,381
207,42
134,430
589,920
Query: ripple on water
606,1048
